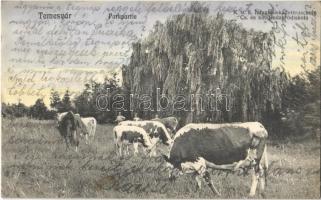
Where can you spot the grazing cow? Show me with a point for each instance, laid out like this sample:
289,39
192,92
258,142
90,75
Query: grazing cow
169,122
70,127
90,124
236,147
153,128
126,135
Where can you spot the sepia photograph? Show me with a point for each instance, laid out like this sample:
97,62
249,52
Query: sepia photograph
160,99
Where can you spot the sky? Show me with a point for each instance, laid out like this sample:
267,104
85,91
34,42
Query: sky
91,44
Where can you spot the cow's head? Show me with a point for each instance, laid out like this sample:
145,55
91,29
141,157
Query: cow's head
148,142
174,171
162,135
68,121
151,150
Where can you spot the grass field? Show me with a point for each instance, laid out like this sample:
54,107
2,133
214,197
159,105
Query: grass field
35,163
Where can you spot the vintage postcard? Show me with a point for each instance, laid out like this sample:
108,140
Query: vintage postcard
160,99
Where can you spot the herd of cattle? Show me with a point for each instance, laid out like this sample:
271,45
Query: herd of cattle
194,148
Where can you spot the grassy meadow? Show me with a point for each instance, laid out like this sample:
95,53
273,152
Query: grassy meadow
36,164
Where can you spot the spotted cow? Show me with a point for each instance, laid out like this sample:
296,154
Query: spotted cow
127,135
70,127
236,147
153,128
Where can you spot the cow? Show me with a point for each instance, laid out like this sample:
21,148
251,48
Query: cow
153,128
126,135
236,147
156,130
169,122
70,127
90,124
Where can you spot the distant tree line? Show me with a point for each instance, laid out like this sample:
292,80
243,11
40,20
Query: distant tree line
301,104
299,114
37,111
83,103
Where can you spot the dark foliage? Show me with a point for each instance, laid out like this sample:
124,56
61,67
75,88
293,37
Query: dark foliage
194,53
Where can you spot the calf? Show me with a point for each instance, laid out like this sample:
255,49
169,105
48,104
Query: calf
127,135
234,147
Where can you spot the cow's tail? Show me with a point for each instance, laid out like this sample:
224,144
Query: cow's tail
265,164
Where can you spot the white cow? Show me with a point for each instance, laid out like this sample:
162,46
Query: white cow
90,123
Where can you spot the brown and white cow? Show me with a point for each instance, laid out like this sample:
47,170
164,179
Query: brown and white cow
71,127
155,129
236,147
89,122
132,135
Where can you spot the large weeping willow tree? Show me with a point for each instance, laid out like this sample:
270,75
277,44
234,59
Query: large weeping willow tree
194,53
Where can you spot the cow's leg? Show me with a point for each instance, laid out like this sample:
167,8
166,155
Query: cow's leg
67,141
119,146
76,139
174,174
135,144
153,152
127,149
264,164
153,149
144,151
86,138
255,179
169,167
262,178
200,168
209,182
198,181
